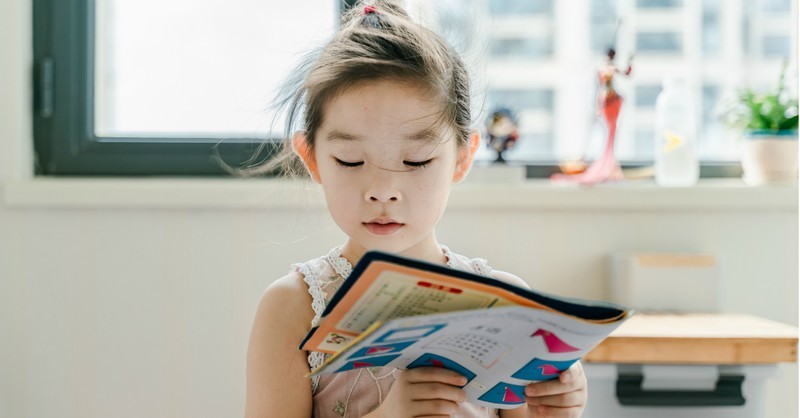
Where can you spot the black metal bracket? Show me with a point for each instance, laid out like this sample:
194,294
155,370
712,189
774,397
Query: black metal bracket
727,392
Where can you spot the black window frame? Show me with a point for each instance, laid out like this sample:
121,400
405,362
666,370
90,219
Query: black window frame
65,143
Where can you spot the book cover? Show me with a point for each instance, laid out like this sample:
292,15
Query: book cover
403,313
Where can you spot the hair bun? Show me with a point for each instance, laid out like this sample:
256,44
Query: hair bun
369,9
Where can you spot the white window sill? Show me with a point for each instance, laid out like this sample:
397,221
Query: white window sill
202,193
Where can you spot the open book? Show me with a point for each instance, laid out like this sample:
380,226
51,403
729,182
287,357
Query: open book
403,313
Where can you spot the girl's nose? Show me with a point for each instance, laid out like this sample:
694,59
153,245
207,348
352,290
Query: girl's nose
381,188
382,197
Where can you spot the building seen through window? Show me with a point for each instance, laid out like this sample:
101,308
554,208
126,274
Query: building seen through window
211,71
542,57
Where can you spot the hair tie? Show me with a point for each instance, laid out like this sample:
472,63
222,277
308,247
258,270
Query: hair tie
370,9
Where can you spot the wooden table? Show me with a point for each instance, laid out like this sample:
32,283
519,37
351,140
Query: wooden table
698,339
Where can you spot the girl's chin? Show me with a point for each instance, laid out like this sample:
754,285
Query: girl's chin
395,246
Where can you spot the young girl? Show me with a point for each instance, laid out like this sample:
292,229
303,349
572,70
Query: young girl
386,132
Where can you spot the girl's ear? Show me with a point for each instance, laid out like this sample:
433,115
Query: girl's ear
465,156
301,148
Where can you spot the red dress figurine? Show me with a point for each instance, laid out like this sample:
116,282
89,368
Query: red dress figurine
609,102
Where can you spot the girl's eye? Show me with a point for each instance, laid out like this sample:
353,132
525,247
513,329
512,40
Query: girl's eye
348,164
418,164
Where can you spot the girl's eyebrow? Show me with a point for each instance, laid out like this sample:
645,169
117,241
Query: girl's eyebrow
343,136
426,134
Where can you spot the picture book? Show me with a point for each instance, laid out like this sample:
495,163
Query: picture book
403,313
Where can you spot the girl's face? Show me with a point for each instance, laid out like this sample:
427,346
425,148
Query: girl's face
386,167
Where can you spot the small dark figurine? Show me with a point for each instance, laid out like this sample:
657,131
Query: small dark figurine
502,132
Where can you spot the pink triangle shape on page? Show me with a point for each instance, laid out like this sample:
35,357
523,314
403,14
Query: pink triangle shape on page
360,364
553,343
436,363
379,350
510,396
548,369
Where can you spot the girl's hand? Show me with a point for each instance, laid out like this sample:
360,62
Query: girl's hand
423,391
564,397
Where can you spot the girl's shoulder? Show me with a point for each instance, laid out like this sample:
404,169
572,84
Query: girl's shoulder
510,279
289,295
481,266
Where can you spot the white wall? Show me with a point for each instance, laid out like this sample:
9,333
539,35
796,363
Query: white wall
129,313
143,309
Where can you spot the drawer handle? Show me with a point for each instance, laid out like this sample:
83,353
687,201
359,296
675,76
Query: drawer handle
728,392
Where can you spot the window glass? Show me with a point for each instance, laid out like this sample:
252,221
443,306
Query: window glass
517,7
543,58
658,42
658,4
712,26
183,68
646,95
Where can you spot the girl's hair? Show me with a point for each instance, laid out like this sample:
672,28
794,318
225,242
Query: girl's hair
377,41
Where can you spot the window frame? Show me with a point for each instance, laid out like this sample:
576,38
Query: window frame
65,143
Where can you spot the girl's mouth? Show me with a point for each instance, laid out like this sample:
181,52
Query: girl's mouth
383,228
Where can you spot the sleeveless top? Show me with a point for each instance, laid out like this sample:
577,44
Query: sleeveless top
354,393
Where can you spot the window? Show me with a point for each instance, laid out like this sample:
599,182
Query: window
157,87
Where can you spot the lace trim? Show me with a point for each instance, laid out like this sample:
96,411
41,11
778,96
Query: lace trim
481,267
315,290
477,265
343,268
451,257
315,359
340,265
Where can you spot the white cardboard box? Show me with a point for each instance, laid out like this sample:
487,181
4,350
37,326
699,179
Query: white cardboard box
666,281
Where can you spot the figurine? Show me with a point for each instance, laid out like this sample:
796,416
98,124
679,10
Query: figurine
609,102
502,132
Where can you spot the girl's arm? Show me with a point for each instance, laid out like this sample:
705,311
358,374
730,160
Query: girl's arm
276,382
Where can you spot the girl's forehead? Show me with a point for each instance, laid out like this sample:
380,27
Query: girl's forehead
387,110
425,141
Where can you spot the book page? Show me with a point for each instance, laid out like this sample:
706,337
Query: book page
397,295
499,350
386,291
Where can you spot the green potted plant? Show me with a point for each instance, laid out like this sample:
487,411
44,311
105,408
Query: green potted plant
768,122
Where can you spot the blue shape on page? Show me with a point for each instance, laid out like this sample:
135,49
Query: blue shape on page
387,348
409,333
379,361
505,393
539,369
432,360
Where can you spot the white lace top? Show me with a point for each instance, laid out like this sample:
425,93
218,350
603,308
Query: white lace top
357,392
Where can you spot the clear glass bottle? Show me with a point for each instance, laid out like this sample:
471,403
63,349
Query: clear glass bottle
676,162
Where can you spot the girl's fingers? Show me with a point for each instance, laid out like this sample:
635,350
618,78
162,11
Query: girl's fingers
573,374
574,398
428,391
570,380
551,387
434,374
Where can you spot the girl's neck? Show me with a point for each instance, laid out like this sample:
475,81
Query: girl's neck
428,250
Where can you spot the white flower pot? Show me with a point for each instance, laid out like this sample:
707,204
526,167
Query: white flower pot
769,159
